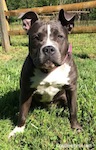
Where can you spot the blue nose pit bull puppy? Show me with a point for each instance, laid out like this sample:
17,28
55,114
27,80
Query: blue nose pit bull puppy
49,69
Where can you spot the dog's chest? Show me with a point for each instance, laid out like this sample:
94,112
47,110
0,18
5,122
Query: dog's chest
48,85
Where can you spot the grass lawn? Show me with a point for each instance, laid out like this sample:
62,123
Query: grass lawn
49,129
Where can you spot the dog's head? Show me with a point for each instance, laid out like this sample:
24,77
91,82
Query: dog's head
48,41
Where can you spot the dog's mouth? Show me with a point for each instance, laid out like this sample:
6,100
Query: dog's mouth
47,63
48,66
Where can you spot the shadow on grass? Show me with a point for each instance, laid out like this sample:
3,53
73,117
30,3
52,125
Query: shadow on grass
82,56
9,106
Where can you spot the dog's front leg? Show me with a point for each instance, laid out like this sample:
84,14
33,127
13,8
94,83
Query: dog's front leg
24,108
72,105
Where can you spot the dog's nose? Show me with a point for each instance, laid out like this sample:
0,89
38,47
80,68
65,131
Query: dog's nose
48,50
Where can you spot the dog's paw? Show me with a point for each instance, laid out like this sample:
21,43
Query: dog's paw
77,127
16,130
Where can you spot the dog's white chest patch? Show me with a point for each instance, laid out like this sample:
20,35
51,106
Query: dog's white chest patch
50,84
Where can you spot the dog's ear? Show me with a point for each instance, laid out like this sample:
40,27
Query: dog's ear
67,19
28,19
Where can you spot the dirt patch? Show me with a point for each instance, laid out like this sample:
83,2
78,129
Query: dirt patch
5,57
92,56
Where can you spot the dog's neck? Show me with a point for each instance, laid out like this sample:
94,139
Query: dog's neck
69,52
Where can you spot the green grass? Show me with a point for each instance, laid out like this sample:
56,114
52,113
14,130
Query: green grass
52,128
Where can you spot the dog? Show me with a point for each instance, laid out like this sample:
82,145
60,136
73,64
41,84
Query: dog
49,70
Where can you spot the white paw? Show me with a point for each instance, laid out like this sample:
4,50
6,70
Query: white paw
16,130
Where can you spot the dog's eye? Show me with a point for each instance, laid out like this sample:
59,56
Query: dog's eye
60,36
38,37
35,37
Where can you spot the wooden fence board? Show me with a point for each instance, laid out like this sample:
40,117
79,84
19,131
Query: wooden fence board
84,29
76,30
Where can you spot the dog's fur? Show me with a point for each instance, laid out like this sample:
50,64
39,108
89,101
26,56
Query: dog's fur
48,71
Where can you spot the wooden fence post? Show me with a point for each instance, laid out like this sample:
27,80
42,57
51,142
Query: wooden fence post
3,27
6,9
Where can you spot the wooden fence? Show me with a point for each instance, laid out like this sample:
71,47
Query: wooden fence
5,28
